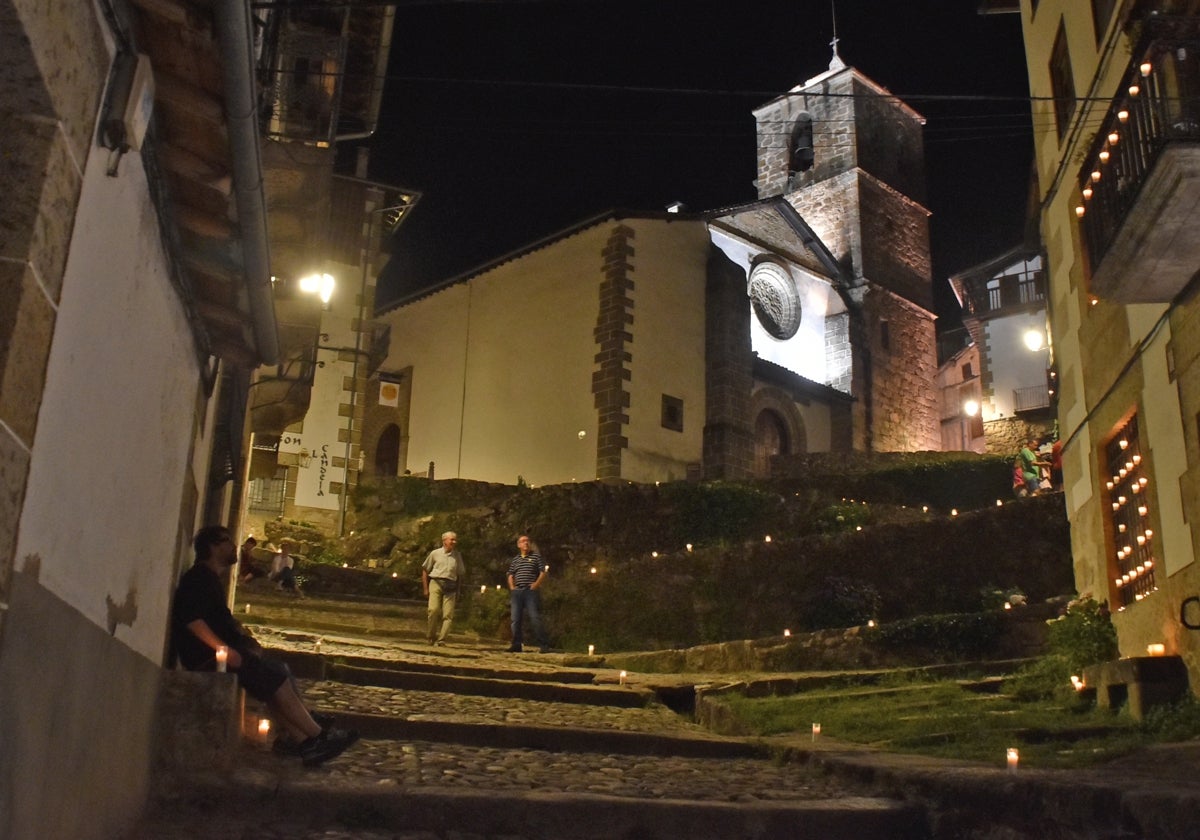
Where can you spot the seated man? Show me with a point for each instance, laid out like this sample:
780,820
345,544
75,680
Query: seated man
201,623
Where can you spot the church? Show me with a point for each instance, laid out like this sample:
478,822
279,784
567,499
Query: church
660,346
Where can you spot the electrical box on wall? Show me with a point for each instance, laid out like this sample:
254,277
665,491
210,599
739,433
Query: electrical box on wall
130,102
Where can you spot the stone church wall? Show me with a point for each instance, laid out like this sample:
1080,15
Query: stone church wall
904,401
895,242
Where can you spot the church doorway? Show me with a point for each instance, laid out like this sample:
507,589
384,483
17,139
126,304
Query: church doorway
770,438
387,452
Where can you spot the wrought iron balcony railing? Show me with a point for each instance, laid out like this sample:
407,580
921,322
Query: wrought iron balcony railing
1157,108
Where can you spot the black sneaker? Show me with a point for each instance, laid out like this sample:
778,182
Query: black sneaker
329,744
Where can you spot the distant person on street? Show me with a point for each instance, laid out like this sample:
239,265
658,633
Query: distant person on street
1020,490
526,574
248,569
283,570
442,574
1031,466
1056,473
201,624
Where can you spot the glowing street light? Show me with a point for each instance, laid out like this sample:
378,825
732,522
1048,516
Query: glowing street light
1034,340
318,284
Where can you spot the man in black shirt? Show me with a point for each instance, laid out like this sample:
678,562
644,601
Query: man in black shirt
201,624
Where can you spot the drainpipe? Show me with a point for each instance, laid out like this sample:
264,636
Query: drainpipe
234,34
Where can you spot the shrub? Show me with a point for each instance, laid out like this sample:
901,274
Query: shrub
838,602
944,637
1083,636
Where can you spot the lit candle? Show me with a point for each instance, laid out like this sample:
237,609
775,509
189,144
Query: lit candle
1013,758
871,622
954,511
591,650
816,730
247,609
787,633
1077,683
264,729
623,678
767,538
482,588
689,546
222,658
1156,650
317,646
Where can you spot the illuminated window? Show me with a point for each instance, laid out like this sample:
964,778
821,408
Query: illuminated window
1132,548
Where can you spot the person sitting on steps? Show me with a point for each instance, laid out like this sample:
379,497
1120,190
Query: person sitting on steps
201,624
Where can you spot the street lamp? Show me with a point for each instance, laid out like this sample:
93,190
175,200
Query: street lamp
1034,340
318,284
970,408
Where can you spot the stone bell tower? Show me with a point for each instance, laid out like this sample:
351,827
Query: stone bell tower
849,156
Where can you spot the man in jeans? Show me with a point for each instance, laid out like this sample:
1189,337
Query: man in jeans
201,624
526,573
442,574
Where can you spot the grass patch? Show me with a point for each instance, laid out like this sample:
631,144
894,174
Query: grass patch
943,719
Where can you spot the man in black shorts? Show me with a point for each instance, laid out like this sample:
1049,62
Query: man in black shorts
201,623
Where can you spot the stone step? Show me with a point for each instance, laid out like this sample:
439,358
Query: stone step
381,789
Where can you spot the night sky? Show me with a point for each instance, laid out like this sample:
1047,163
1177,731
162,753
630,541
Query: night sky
518,118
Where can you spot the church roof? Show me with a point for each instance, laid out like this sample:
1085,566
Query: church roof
798,386
409,296
771,222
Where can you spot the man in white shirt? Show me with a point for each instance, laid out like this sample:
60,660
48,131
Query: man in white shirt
442,574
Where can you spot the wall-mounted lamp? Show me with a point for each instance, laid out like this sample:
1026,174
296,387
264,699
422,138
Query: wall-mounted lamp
321,285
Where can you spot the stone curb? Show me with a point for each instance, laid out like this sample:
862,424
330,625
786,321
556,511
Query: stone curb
579,816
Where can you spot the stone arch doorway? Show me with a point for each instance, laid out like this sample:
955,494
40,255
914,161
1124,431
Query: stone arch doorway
387,452
770,438
778,428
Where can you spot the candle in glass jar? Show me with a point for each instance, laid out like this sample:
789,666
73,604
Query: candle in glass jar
1013,759
591,650
222,658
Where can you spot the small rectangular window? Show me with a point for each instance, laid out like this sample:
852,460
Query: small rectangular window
966,371
1062,82
672,413
1101,13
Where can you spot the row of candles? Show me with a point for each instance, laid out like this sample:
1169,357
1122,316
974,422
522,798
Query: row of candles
1113,138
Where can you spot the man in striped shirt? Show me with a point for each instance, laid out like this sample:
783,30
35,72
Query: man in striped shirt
526,573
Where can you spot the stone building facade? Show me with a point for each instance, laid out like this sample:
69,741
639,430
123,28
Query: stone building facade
849,157
664,346
1117,86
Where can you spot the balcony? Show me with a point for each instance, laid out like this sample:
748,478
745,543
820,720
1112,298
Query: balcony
1140,183
987,297
1031,398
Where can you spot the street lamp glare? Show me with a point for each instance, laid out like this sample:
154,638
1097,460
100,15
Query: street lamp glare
970,408
1033,340
319,284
